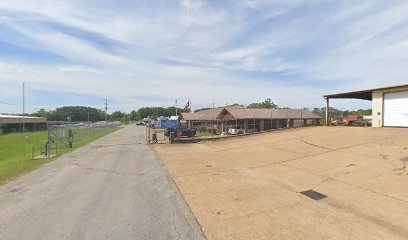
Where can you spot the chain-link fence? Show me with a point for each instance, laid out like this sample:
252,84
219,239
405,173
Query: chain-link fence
70,135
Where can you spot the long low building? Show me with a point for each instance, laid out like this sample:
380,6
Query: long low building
248,119
12,123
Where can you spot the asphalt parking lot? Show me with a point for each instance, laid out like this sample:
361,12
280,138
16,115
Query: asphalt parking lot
113,188
250,187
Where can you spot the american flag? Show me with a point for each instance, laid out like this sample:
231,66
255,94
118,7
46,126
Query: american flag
187,107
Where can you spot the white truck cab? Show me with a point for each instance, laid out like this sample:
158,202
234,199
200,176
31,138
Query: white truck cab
236,130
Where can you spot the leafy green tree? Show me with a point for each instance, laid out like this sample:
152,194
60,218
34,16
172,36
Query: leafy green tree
337,113
155,112
133,116
265,104
117,116
72,113
201,109
41,113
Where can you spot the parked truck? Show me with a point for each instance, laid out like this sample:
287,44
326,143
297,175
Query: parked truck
239,130
236,130
180,132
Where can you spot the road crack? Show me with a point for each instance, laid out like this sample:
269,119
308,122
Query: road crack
403,169
312,144
106,170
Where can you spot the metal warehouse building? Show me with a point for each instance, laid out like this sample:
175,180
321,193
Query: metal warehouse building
389,104
252,120
11,123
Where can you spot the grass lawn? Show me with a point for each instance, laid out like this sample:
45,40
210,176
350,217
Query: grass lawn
204,134
14,161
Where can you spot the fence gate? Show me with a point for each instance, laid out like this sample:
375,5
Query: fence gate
60,137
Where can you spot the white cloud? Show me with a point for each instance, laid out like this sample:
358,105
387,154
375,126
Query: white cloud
143,53
78,68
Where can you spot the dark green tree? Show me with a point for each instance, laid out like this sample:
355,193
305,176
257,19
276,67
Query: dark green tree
117,116
72,113
265,104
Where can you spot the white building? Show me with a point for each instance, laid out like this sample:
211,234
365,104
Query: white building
389,104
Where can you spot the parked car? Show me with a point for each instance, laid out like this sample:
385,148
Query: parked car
140,123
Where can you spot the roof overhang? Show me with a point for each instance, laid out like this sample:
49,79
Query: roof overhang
364,94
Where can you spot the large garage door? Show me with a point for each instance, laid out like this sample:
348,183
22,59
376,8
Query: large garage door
396,109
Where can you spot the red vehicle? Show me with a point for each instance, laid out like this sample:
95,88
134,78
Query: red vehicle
355,121
352,118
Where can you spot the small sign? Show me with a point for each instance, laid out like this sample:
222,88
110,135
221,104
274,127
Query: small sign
62,133
168,124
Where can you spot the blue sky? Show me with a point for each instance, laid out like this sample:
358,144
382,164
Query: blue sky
148,53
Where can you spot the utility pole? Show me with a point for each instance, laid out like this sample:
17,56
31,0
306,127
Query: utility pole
23,107
176,108
106,108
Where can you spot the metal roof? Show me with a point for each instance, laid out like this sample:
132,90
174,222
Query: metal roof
363,94
12,119
16,116
248,113
205,115
265,113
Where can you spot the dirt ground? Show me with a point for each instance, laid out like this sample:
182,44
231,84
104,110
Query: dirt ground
249,187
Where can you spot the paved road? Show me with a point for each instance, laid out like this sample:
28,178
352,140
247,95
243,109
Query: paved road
114,188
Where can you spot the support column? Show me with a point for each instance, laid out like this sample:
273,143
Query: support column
327,111
246,125
262,127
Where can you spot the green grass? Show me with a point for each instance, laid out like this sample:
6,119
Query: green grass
204,134
15,151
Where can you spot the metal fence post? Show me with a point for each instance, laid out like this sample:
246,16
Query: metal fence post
48,149
254,129
287,118
212,127
149,133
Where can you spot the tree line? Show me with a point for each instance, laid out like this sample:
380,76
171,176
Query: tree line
83,114
339,113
